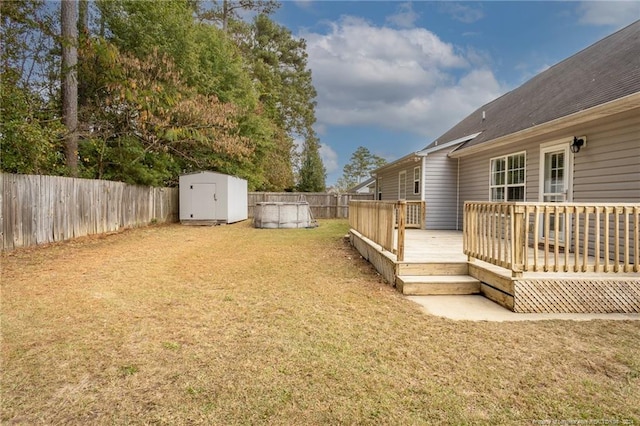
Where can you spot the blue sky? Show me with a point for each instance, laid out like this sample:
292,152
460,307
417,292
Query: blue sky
393,76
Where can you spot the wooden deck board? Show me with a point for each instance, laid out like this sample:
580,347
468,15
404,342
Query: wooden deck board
433,246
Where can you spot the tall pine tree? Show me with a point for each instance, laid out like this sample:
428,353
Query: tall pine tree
312,175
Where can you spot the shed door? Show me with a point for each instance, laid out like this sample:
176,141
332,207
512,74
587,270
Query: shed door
203,201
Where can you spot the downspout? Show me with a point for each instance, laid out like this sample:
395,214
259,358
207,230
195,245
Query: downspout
458,197
423,187
423,183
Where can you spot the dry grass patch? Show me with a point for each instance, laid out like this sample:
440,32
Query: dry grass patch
235,325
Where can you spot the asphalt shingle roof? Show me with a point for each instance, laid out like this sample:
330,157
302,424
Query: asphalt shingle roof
603,72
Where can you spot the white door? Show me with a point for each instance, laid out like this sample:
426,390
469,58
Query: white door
556,173
203,201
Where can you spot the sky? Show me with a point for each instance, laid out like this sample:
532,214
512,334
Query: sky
392,76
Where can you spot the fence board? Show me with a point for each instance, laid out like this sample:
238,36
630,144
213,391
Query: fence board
44,209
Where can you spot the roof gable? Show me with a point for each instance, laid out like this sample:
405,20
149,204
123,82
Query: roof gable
603,72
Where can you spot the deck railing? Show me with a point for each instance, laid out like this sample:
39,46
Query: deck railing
415,214
554,237
378,221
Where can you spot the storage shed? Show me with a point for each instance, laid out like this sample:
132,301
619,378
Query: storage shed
207,198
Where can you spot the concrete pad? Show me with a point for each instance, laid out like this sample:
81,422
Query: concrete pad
479,308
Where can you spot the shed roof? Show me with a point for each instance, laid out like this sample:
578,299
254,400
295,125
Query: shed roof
603,72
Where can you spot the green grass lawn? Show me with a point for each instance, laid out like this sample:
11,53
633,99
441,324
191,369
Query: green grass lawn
235,325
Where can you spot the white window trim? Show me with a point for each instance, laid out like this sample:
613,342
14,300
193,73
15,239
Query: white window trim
506,186
416,180
400,189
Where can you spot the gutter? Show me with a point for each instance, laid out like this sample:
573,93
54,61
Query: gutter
437,147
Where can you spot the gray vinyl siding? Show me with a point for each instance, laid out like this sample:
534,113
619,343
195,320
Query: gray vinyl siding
390,181
440,189
608,168
475,172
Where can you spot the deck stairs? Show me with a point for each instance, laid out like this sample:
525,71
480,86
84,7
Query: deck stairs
441,278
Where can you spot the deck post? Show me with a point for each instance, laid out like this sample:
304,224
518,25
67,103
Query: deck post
402,211
517,239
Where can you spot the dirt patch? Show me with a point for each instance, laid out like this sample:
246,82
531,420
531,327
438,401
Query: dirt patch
235,325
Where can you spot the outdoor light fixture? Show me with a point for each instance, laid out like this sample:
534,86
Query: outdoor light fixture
577,144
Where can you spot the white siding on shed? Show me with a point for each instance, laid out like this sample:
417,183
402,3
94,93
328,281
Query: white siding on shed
213,197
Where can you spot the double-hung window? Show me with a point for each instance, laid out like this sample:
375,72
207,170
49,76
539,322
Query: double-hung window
416,180
508,178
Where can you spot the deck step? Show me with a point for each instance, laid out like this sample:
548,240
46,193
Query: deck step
432,268
418,285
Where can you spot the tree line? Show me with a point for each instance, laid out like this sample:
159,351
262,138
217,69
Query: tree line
142,92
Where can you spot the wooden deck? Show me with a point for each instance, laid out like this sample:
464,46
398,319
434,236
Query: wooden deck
433,246
426,246
435,258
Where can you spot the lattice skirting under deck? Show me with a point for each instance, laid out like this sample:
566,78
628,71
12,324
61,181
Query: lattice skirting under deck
577,295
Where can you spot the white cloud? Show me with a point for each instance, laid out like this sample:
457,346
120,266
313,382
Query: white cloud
303,4
320,128
462,13
405,17
403,79
609,13
329,158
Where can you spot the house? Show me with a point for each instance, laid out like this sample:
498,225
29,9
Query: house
519,146
367,186
545,183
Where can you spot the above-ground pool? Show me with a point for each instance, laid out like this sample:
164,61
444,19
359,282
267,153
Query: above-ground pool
283,215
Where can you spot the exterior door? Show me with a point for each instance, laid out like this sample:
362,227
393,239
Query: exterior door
556,171
203,201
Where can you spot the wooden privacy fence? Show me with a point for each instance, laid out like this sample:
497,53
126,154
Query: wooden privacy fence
322,205
45,209
378,220
554,237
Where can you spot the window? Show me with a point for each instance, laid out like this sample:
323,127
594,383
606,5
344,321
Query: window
508,178
416,180
402,185
379,188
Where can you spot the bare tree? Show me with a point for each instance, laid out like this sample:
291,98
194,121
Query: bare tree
68,19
